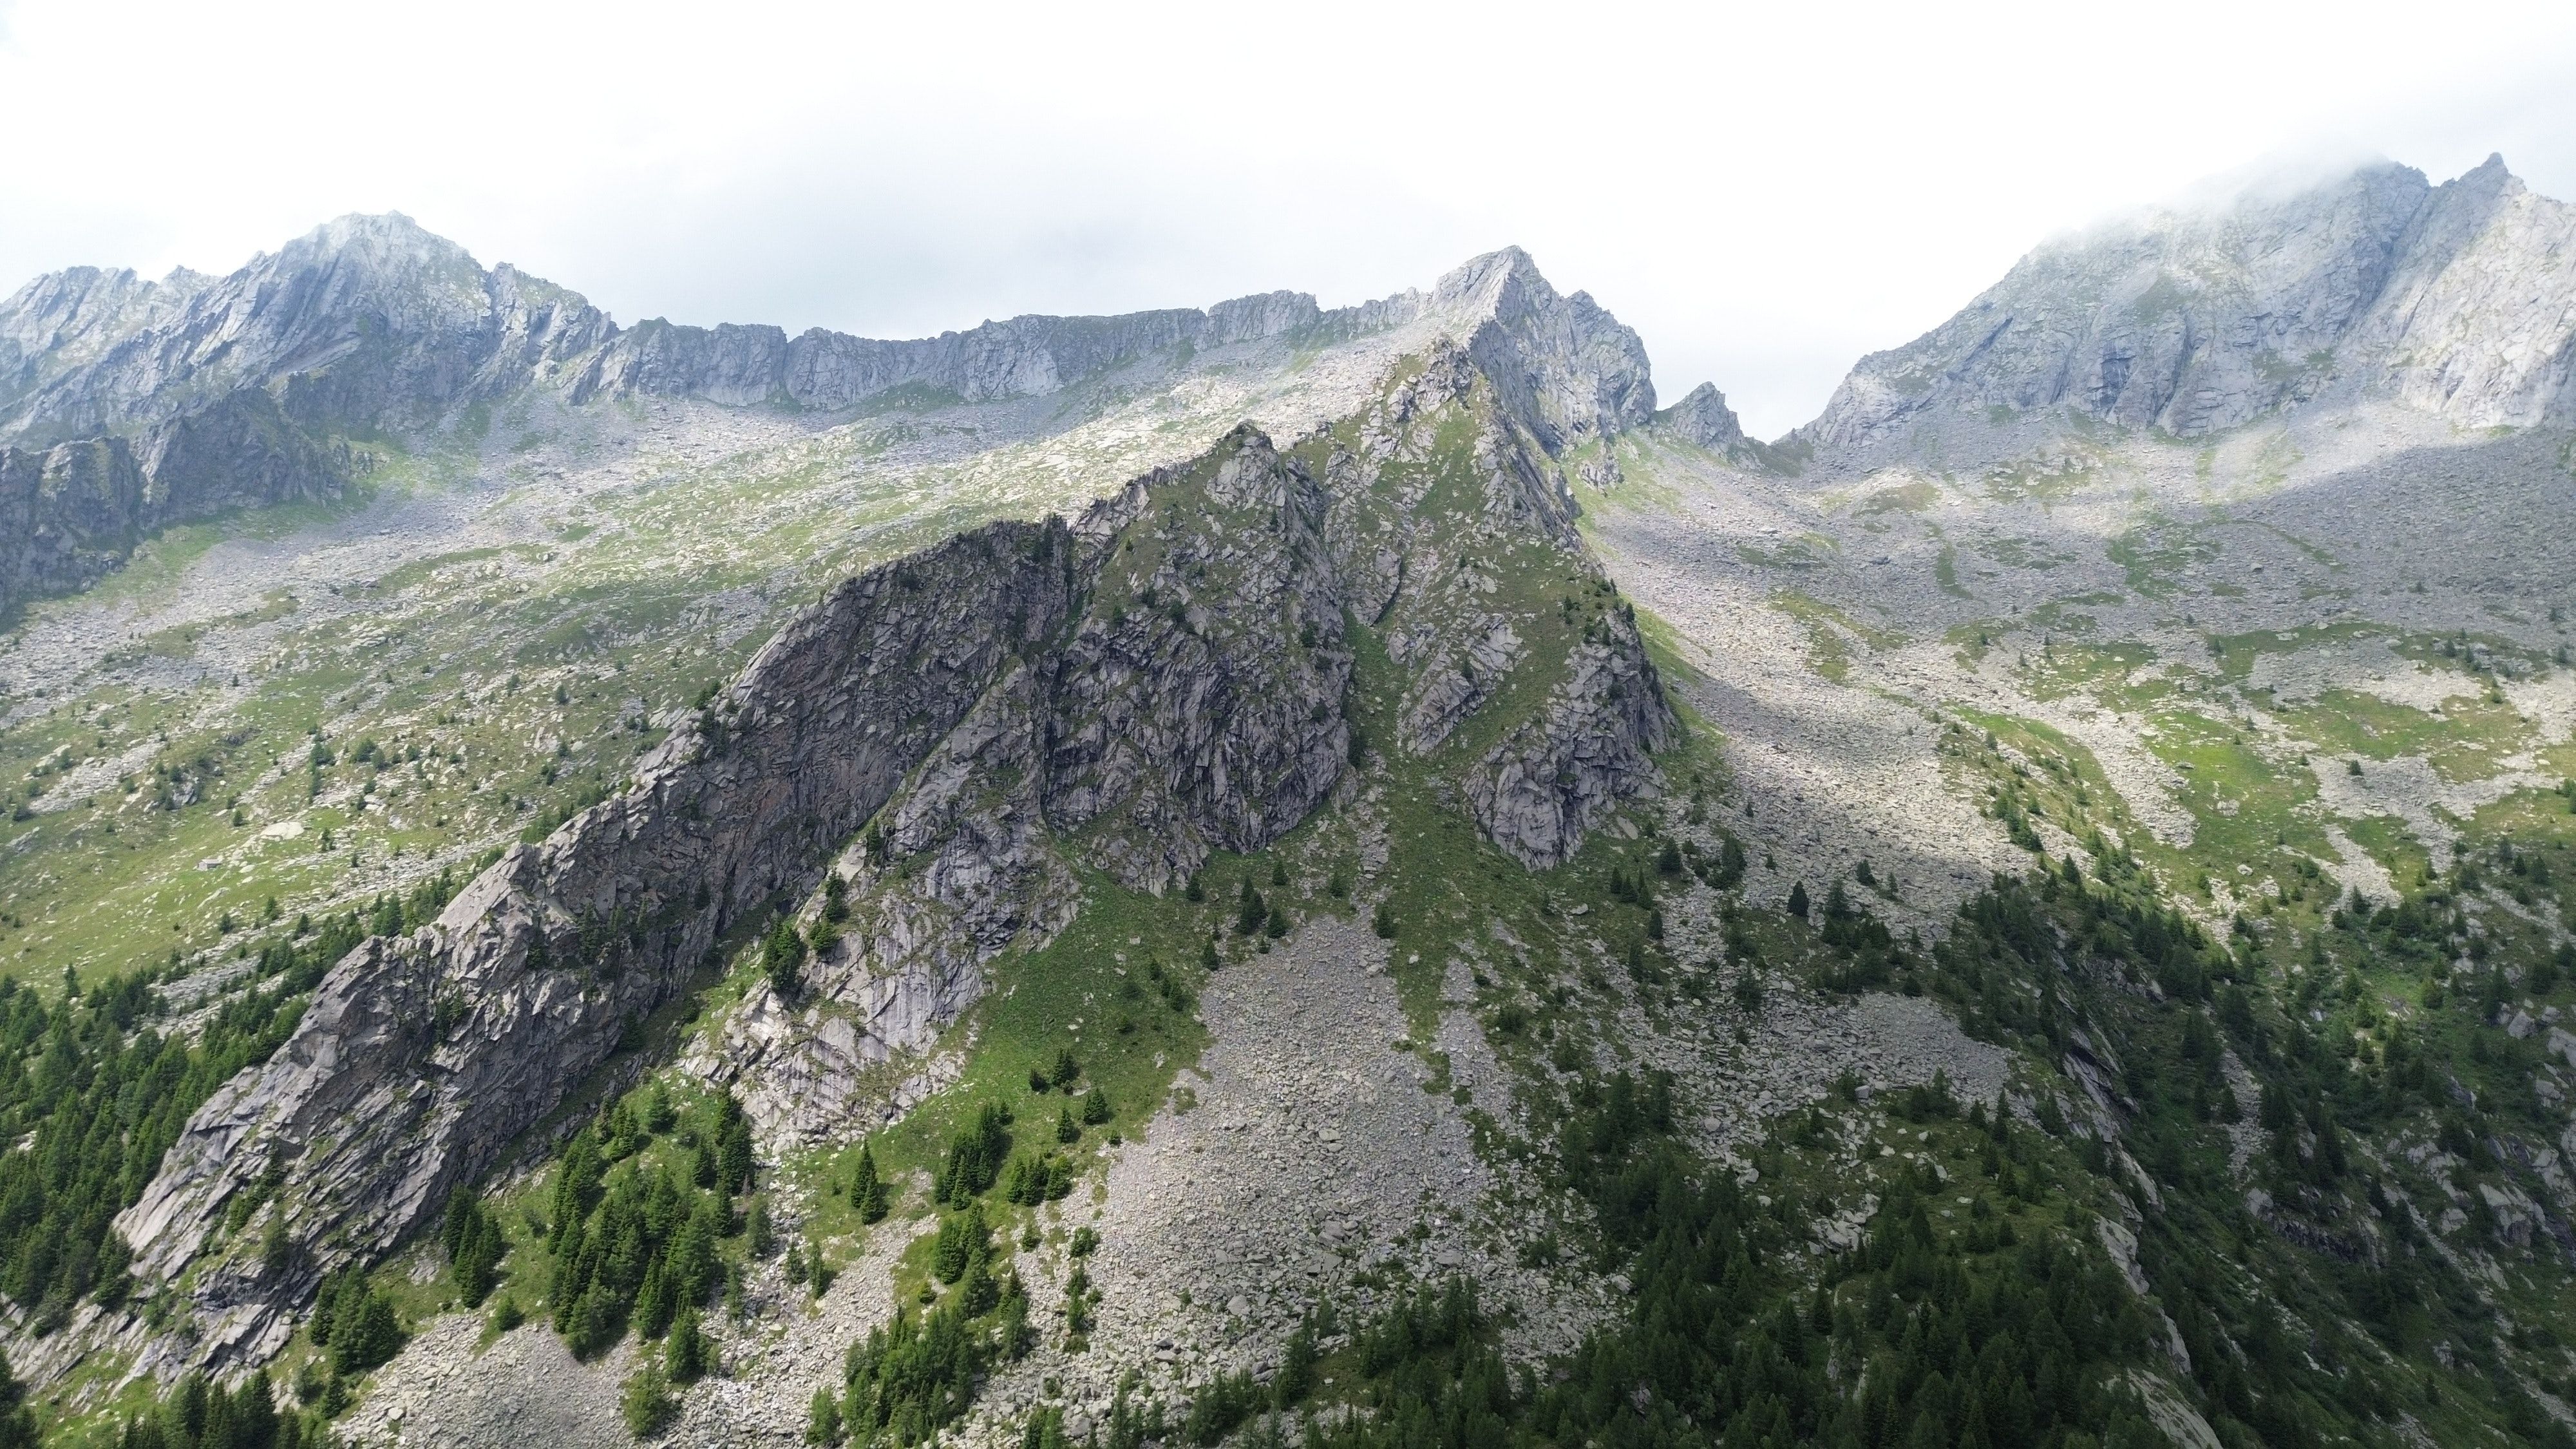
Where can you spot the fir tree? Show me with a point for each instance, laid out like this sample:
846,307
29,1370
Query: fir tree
823,1419
782,955
686,1355
733,1146
646,1402
868,1191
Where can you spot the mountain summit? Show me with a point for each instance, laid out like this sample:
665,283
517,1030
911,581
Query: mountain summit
2457,299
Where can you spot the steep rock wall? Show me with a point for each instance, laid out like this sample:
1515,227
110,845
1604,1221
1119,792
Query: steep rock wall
423,1057
73,511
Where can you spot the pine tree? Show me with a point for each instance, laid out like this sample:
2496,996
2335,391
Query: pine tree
364,1332
782,956
1798,899
733,1147
1066,1129
868,1192
646,1401
823,1419
1095,1107
964,1241
687,1356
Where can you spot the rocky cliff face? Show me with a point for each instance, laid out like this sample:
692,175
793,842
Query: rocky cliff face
1167,677
832,371
73,511
2477,321
1562,367
2457,299
1196,704
423,1057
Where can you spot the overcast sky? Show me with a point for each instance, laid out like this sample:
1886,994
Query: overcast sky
1765,192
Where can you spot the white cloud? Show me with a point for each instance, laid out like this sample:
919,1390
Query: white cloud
1765,192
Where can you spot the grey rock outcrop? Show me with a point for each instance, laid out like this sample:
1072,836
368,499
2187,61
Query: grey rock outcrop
1563,367
1543,788
2477,322
1428,535
73,511
2458,299
1703,420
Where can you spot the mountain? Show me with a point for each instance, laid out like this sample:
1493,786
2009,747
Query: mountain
1087,704
1273,873
2456,299
128,405
2177,638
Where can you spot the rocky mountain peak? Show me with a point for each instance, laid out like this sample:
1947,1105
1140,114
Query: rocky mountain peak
1564,366
2196,318
1703,418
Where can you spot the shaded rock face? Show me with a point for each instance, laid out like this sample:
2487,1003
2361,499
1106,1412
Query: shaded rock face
73,511
2458,299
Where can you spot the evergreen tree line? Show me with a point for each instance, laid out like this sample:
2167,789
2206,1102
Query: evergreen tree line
910,1377
97,1093
913,1376
1924,1335
2271,1355
636,1237
199,1414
